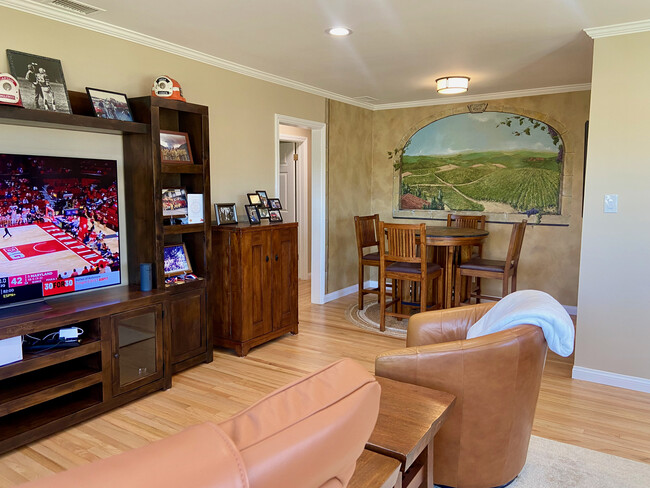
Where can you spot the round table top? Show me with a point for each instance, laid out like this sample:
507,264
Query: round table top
439,231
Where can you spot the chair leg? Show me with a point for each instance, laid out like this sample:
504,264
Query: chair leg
382,305
478,290
423,294
514,282
360,286
440,287
457,288
504,286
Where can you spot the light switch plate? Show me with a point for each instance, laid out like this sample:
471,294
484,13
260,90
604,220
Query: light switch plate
611,203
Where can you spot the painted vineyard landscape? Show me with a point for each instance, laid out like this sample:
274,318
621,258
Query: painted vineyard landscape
489,162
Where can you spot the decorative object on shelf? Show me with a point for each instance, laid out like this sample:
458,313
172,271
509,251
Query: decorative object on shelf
177,262
195,208
264,212
254,198
110,105
174,202
9,91
166,87
275,204
264,200
275,216
145,277
253,214
175,147
43,84
226,213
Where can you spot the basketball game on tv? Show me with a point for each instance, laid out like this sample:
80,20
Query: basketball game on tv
59,226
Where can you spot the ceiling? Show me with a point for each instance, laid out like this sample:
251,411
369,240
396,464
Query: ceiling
398,47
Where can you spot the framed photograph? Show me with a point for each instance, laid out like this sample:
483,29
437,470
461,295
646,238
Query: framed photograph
174,202
226,213
177,262
42,86
253,214
264,200
253,198
275,216
275,204
175,147
110,105
264,212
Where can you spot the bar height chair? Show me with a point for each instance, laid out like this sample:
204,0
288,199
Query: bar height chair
366,229
403,257
479,268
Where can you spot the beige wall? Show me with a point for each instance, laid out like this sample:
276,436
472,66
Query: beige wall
550,255
613,331
242,109
348,189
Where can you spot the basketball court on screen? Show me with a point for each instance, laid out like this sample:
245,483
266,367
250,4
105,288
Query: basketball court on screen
36,248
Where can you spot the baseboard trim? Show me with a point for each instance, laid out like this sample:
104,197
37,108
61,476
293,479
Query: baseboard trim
612,379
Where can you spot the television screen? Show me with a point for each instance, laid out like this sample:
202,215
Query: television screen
59,226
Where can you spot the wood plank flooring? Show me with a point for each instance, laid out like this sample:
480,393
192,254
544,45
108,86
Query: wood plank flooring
603,418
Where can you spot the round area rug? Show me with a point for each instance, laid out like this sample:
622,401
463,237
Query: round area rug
368,319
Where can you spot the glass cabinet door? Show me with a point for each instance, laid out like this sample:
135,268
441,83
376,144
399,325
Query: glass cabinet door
137,348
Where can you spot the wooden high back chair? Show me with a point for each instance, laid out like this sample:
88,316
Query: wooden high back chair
403,257
471,222
366,229
506,271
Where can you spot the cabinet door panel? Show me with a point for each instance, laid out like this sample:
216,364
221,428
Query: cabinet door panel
188,325
285,277
256,285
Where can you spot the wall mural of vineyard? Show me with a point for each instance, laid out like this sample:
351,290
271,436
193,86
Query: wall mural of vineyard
490,162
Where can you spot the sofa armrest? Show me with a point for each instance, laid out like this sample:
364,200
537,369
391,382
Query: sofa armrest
444,325
201,455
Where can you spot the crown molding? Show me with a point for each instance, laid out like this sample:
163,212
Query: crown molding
618,29
52,13
549,90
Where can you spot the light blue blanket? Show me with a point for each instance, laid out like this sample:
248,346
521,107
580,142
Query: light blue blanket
530,307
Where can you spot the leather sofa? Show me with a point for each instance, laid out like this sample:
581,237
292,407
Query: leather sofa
307,434
496,380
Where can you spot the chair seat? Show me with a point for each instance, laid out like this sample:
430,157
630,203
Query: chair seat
372,256
481,264
413,268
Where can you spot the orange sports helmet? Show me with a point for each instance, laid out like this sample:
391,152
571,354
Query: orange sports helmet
166,87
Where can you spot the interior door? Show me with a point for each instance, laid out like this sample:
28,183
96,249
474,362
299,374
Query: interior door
288,181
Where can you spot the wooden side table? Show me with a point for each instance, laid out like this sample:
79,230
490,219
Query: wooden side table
376,471
409,418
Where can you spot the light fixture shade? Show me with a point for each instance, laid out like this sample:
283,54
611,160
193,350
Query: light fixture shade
450,85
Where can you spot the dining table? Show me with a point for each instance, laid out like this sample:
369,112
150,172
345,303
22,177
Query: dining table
450,239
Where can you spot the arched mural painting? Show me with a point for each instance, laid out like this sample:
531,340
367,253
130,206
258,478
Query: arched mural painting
490,162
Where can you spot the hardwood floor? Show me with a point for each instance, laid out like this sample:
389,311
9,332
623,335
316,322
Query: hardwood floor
603,418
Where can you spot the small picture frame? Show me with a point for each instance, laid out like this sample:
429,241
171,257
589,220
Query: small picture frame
264,200
275,216
110,105
176,260
41,81
175,147
253,198
174,202
226,213
275,204
264,212
253,214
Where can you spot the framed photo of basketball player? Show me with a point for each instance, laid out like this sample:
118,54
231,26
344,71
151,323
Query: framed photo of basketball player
41,81
175,147
110,105
176,260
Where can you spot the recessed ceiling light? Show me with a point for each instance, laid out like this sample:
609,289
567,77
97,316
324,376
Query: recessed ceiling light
339,31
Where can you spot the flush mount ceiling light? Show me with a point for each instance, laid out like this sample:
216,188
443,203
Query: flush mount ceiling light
339,31
450,85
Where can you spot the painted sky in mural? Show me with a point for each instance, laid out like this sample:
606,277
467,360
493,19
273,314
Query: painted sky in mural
488,162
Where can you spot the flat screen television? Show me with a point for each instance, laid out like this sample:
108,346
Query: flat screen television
59,230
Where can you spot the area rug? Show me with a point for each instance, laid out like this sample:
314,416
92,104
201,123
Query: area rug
368,319
552,464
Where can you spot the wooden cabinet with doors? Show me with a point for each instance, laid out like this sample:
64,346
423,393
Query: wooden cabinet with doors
254,284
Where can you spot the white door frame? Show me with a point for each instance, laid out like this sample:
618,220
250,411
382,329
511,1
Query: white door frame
302,205
318,202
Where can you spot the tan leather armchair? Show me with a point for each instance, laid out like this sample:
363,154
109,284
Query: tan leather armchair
495,379
308,434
